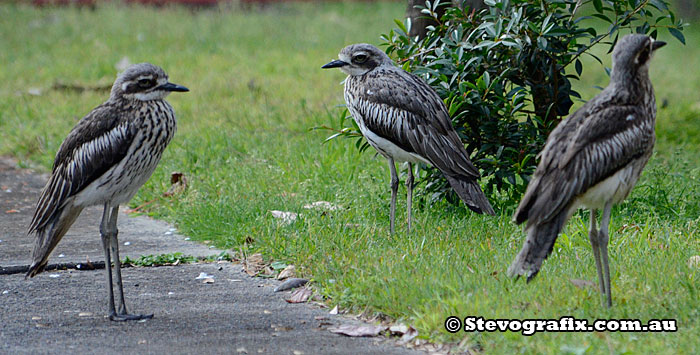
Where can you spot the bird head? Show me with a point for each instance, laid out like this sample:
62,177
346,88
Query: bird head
144,82
633,52
358,59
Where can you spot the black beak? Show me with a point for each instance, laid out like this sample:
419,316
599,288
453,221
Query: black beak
657,44
335,64
173,87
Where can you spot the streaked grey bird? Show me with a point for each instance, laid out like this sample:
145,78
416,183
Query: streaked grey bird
592,159
105,159
405,120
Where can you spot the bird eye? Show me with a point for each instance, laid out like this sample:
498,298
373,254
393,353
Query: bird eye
144,83
360,58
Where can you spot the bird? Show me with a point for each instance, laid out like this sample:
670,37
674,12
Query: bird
405,120
104,160
592,160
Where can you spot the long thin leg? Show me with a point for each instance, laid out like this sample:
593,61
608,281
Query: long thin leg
105,235
595,245
117,260
394,191
123,315
604,238
409,196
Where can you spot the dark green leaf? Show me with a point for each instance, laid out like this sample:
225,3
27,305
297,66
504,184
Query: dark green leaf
676,33
579,67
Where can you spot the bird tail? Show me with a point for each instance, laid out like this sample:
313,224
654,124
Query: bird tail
470,192
48,236
538,245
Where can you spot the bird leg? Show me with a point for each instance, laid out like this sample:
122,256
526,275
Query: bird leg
595,245
603,237
394,190
123,315
409,196
105,235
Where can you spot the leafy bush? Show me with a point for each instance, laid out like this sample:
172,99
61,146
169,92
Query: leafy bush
502,73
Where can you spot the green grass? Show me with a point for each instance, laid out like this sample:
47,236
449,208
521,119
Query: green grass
244,145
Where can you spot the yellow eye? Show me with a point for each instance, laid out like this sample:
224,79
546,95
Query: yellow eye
360,58
144,83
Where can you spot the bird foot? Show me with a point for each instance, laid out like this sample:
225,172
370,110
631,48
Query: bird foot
127,317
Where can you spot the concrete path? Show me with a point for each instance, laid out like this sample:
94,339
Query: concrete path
63,311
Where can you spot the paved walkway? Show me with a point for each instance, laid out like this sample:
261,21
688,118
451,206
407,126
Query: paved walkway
63,311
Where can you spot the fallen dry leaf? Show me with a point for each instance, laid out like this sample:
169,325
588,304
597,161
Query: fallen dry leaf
407,333
285,216
252,264
286,272
178,184
362,330
203,276
583,283
290,284
398,329
300,295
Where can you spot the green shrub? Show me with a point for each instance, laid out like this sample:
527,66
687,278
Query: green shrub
502,74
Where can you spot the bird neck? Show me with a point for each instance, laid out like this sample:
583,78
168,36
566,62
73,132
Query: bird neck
633,88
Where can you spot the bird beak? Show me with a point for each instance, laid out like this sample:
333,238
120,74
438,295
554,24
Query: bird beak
173,87
335,64
657,44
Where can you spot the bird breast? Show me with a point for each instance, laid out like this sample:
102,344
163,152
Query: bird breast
613,189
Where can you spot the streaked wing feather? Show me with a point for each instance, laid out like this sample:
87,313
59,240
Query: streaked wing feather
99,141
579,154
403,109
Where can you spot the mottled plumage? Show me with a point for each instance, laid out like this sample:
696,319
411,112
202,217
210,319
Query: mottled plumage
405,120
104,160
593,159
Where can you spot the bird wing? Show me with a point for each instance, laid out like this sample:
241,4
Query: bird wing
402,108
582,151
98,142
